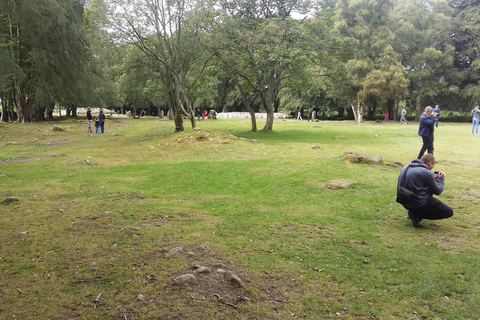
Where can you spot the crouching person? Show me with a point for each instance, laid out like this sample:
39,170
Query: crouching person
415,189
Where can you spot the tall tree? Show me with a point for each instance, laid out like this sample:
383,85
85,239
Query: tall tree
44,54
167,32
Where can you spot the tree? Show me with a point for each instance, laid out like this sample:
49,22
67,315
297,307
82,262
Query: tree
44,55
167,32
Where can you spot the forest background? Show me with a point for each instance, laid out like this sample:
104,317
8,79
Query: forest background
354,58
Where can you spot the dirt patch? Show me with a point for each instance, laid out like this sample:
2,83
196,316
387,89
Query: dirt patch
58,143
25,159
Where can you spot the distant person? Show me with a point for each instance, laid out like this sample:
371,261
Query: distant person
475,119
101,117
89,120
437,111
425,130
118,112
404,117
386,118
310,115
323,115
299,115
199,114
418,178
97,125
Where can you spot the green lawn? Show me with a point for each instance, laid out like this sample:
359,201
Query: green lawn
98,215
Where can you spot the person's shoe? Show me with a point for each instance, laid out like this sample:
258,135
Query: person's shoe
415,220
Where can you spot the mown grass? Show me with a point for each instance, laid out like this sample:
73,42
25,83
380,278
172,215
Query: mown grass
99,213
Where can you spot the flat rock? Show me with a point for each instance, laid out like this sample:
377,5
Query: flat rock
11,200
185,279
175,250
233,278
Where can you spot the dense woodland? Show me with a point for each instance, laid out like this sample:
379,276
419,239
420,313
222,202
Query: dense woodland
358,58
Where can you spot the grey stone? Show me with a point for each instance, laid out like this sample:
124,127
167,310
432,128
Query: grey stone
203,270
233,278
175,250
185,278
140,297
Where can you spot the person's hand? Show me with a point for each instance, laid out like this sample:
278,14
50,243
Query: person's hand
441,175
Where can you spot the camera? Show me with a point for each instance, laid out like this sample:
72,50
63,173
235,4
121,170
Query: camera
436,174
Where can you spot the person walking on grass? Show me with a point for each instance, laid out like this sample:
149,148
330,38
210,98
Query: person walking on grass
89,120
404,117
299,115
418,178
425,130
101,117
386,118
475,119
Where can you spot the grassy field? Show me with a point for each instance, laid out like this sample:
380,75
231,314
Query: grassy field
98,215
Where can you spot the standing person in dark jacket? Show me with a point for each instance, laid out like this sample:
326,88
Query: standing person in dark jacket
89,120
101,117
424,183
425,130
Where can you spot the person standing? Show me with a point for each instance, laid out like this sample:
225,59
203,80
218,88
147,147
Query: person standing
299,115
437,111
404,117
310,115
475,118
386,118
425,130
418,178
101,117
89,120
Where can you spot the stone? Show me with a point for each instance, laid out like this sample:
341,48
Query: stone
185,279
202,269
140,297
175,250
233,278
57,128
11,200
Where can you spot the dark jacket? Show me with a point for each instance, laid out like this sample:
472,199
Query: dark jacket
421,181
425,129
101,116
89,115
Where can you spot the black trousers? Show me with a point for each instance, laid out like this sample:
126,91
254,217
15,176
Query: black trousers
427,145
433,210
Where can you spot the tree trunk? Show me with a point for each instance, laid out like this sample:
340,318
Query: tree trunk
395,110
245,102
358,111
50,108
418,108
269,101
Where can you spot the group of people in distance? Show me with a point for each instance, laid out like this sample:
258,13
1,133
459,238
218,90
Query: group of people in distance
417,176
99,122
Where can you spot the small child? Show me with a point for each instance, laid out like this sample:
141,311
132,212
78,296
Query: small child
89,123
97,125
